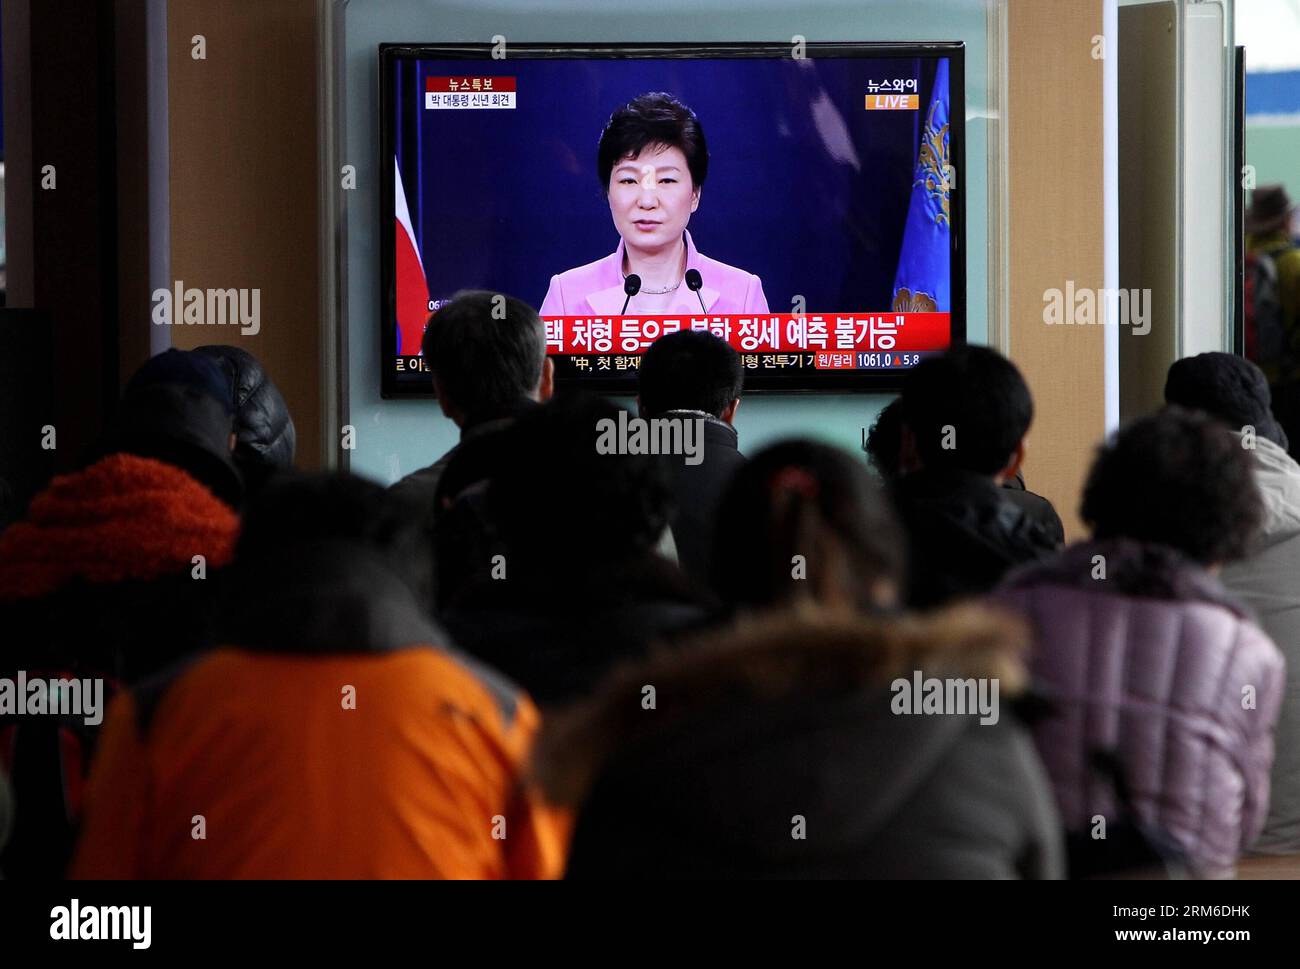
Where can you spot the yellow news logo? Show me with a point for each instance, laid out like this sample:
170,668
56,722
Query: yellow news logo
893,102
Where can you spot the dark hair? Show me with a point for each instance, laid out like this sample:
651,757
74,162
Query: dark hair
487,351
178,408
655,120
560,503
689,370
1228,387
804,498
1177,478
302,509
885,440
184,368
967,408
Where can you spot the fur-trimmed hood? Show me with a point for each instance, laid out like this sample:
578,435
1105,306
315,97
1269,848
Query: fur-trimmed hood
809,660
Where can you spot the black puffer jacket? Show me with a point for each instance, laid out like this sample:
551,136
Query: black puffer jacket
1035,506
263,425
964,534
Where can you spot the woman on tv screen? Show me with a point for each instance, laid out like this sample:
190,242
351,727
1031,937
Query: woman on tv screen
652,162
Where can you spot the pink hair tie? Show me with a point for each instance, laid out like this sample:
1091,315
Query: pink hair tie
796,480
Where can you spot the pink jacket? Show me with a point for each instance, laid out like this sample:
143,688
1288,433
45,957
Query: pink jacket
597,288
1152,662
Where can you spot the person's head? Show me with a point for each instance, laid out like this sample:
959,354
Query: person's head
690,370
1271,210
1227,387
487,354
885,440
179,408
562,504
652,162
967,409
1177,478
804,520
297,512
264,431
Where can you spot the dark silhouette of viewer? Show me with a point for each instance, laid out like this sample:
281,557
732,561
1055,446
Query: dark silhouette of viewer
1146,655
884,447
579,586
1267,578
804,521
965,414
692,375
774,749
111,574
487,354
334,734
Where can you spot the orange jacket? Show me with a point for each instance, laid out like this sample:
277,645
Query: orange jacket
255,765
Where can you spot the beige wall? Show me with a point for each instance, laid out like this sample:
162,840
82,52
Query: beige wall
1054,114
134,293
244,205
1148,199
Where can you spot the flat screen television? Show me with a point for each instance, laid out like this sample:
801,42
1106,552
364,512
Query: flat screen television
806,204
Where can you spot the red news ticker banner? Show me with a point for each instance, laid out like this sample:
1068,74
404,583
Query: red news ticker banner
770,333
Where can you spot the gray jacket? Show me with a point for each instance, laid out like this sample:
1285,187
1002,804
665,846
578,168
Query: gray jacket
776,750
1268,581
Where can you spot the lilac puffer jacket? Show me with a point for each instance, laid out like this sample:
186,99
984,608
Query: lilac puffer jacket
1156,663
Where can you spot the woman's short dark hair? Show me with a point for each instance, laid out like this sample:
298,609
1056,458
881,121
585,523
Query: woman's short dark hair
656,120
809,499
1177,478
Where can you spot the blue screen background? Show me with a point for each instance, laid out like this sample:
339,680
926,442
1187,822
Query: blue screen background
806,187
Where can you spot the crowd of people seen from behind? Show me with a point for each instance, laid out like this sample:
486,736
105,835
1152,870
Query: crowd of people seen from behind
536,659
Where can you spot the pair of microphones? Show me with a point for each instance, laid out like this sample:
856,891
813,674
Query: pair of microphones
694,282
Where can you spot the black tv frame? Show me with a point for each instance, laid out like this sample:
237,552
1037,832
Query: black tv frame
828,381
1238,192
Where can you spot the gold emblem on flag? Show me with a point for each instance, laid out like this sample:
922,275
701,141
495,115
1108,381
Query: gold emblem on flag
933,167
905,301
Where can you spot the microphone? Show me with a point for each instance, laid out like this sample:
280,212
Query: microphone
695,282
631,286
